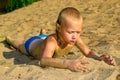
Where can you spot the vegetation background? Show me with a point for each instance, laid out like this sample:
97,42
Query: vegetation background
10,5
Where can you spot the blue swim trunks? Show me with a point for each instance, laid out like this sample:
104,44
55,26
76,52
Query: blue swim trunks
28,42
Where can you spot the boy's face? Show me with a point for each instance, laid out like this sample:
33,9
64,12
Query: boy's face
70,30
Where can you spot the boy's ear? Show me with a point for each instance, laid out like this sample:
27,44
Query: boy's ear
58,27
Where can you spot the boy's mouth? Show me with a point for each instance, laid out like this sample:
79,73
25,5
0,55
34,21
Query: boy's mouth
72,41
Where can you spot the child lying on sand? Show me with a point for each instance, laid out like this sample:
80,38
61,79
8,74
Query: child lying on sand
47,48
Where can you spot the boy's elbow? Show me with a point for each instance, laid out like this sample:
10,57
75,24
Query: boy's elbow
42,62
87,53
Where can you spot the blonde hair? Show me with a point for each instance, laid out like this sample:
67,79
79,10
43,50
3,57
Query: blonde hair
68,12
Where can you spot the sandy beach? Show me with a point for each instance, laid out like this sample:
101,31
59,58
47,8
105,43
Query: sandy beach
101,32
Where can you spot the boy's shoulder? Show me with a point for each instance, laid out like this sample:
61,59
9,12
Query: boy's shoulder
52,38
51,42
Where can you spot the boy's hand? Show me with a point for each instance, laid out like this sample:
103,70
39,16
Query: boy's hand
108,59
78,65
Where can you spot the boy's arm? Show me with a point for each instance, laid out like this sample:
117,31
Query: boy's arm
92,54
48,60
48,52
55,62
106,58
83,47
86,50
73,65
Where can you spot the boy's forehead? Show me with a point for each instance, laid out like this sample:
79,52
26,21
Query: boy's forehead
70,20
74,24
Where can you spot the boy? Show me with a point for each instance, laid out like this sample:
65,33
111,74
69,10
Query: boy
68,29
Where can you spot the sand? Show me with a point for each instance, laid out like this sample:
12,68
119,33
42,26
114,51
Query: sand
101,32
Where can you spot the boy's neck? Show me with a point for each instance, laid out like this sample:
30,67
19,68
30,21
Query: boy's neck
61,42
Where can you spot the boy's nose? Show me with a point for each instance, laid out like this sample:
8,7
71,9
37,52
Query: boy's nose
74,36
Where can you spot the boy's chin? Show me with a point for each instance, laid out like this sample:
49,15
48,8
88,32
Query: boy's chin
71,43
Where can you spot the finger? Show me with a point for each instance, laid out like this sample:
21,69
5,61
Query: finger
113,63
83,68
108,59
107,56
111,57
83,60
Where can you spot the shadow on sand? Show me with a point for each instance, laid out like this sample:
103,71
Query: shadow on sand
18,57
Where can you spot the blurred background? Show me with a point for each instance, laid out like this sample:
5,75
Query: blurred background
10,5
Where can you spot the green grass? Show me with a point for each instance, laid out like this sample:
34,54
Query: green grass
15,4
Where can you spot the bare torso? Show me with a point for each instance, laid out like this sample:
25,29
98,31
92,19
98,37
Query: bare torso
37,48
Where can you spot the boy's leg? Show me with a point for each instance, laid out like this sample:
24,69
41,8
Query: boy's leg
13,42
23,50
16,44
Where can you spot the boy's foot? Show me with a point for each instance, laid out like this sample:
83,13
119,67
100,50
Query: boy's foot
9,40
42,31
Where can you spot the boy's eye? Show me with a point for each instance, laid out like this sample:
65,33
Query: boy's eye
70,32
78,32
